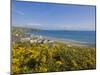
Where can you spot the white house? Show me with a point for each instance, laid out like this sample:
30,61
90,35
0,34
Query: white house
25,39
51,41
33,41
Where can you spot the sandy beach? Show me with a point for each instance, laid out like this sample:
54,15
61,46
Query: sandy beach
68,41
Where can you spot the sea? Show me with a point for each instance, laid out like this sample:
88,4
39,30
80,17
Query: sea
88,37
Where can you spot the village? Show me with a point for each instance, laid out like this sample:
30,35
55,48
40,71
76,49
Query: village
38,39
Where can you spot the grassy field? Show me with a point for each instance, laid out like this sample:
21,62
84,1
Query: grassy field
32,57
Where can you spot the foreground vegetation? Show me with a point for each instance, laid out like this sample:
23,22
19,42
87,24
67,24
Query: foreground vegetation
29,58
32,57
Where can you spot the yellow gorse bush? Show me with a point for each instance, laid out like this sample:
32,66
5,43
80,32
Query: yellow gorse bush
42,58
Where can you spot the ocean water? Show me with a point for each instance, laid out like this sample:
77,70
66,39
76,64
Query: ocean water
79,36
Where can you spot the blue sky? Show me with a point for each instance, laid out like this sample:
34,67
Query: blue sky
53,16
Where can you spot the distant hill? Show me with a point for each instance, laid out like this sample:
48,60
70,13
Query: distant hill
26,27
22,30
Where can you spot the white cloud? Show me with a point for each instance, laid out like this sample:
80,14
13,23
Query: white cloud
69,27
19,12
34,24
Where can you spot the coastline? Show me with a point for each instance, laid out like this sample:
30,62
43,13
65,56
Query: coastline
68,41
43,51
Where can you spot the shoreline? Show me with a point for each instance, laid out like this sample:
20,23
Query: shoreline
67,41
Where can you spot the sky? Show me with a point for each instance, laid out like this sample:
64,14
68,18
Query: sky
51,16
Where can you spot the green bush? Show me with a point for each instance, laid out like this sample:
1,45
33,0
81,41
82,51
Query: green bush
32,58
